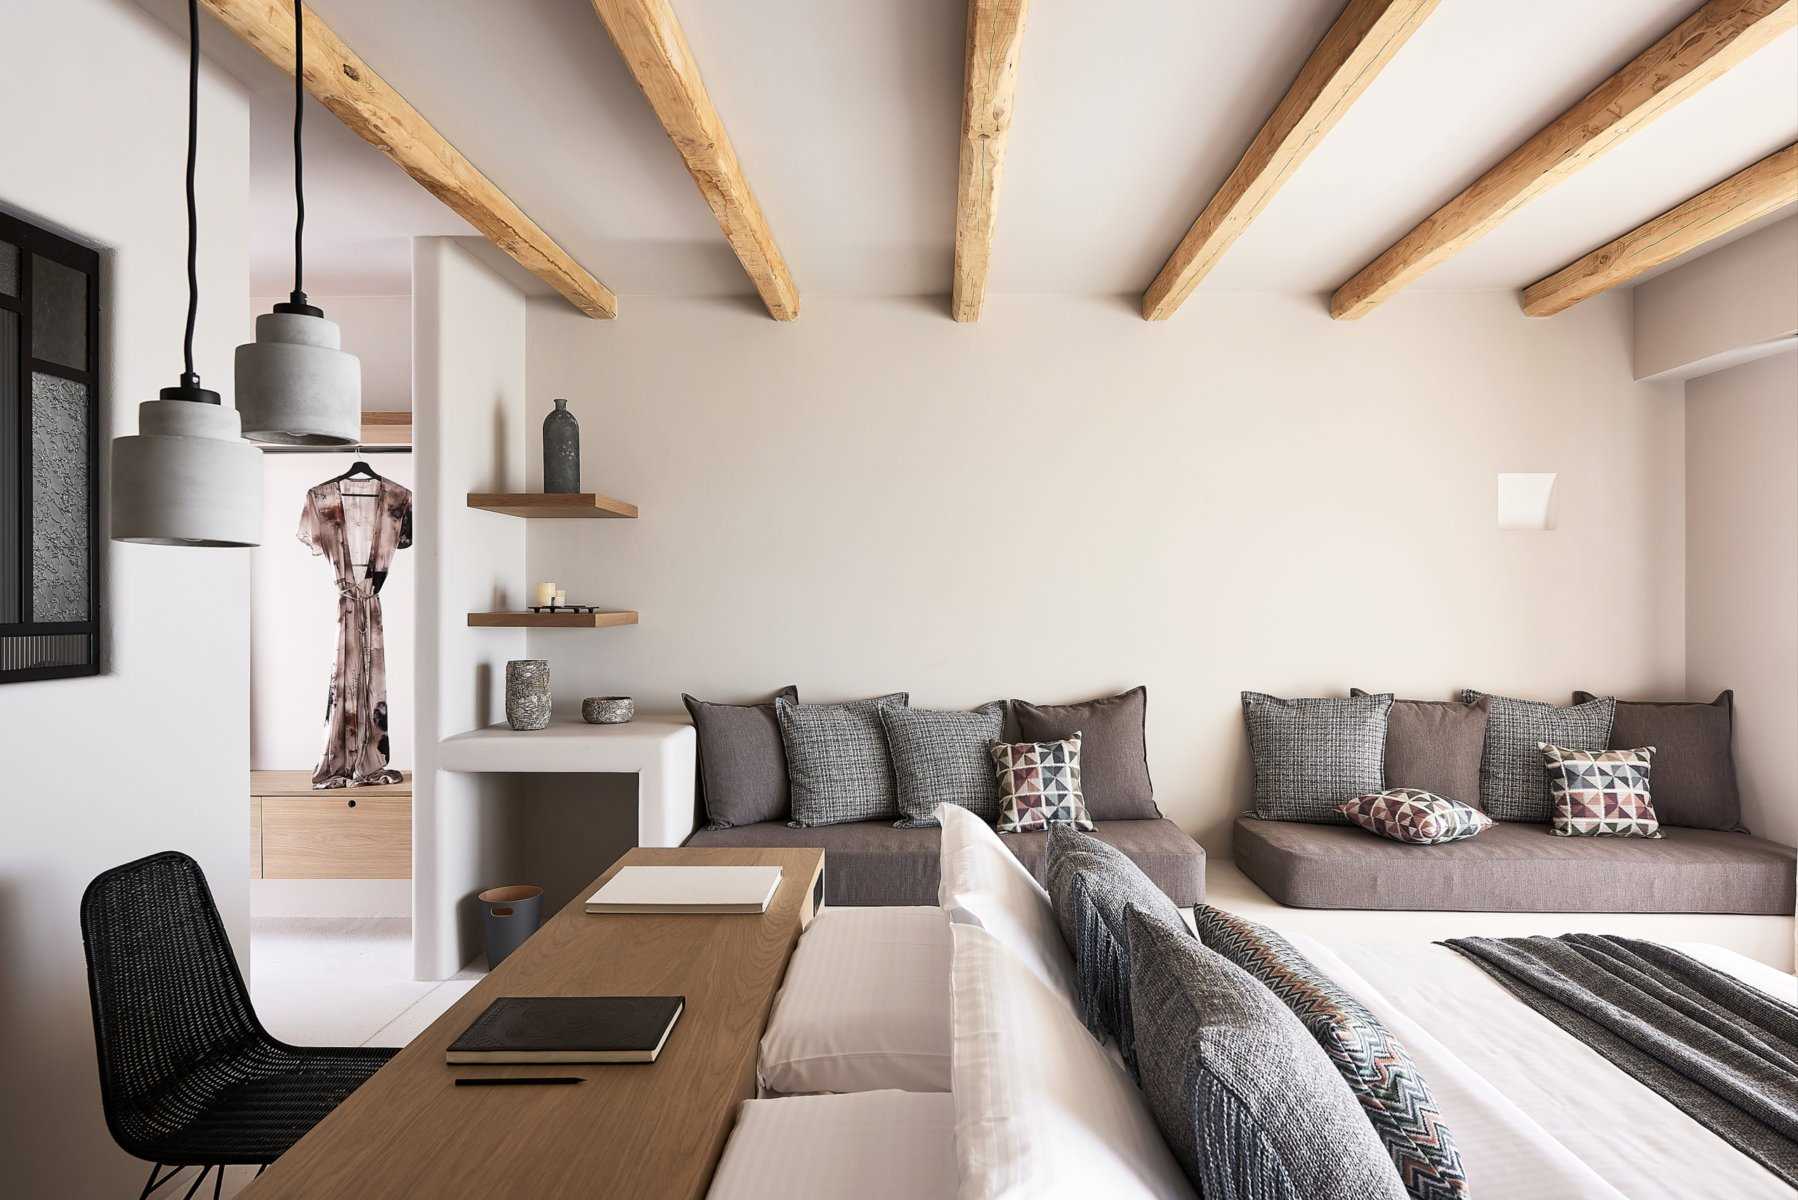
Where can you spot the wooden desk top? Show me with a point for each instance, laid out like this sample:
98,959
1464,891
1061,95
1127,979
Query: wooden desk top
639,1130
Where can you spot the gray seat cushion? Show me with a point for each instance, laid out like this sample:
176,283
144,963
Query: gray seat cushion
870,862
1518,868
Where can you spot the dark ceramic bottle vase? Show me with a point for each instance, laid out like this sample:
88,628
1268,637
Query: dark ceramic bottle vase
561,450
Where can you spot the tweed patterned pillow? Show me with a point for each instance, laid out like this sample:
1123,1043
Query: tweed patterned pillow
1513,785
1414,815
1250,1105
837,764
1600,794
1311,755
1090,883
1039,785
1394,1096
941,758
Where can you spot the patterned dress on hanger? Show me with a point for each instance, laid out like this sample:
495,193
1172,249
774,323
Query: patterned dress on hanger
357,525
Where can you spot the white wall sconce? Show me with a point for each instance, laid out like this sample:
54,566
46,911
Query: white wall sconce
1525,500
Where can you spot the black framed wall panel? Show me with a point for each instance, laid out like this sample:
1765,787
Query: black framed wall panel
50,585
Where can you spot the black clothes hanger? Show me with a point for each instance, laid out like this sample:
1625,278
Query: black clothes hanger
356,468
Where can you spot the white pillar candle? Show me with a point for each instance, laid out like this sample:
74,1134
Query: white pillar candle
561,599
545,595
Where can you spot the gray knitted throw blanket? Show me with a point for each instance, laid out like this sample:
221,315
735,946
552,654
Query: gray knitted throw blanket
1724,1052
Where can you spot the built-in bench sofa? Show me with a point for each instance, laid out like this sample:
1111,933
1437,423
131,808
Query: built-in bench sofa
1513,867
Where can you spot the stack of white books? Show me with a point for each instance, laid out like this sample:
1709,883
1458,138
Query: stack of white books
687,890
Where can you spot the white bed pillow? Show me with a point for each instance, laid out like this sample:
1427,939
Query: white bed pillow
984,884
865,1005
870,1146
1040,1109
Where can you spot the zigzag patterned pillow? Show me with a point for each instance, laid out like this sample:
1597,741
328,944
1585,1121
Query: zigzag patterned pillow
1395,1097
1415,816
1600,793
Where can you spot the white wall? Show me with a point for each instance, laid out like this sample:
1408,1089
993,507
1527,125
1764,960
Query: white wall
1063,501
1742,572
1731,305
378,331
293,619
468,434
153,754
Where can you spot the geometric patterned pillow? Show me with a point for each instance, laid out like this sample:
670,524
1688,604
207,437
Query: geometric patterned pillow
1600,793
1395,1097
1415,816
1039,785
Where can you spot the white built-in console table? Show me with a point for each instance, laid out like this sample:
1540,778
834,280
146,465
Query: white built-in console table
659,751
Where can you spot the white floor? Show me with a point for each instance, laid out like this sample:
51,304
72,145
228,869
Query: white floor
344,981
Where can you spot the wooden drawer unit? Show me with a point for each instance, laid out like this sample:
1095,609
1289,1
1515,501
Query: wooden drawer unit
342,833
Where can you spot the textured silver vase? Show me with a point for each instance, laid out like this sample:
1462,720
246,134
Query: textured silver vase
527,693
608,710
561,450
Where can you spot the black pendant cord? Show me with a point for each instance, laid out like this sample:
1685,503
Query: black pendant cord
296,303
189,387
190,379
299,151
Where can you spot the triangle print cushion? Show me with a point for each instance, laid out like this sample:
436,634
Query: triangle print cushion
1039,785
1600,793
1415,816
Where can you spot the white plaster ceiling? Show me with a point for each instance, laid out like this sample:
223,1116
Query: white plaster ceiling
845,116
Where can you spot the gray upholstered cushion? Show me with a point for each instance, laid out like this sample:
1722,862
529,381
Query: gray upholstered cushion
1248,1102
1435,746
1518,868
1090,882
1312,754
742,764
1114,756
1513,785
1694,768
837,764
1392,1091
942,758
870,862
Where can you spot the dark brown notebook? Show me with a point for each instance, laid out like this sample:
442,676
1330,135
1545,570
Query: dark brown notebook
569,1029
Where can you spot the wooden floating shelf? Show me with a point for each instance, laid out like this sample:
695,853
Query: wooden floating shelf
552,504
562,620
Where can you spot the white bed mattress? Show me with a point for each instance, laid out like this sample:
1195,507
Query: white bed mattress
1536,1115
1532,1108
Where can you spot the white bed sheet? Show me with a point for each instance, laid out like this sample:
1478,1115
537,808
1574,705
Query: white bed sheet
1465,1029
866,1146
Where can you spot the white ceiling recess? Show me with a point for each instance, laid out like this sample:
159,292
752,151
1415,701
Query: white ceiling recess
846,116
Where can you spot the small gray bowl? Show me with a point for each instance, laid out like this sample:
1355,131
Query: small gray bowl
608,710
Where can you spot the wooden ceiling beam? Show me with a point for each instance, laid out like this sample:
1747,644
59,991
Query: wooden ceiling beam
649,36
380,116
1768,186
1354,51
989,89
1700,48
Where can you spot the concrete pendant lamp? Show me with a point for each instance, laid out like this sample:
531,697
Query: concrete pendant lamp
187,477
295,387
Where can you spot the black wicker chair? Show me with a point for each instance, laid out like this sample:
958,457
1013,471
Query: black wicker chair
188,1075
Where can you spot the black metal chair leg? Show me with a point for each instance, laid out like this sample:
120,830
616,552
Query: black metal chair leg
218,1184
198,1180
152,1183
260,1170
